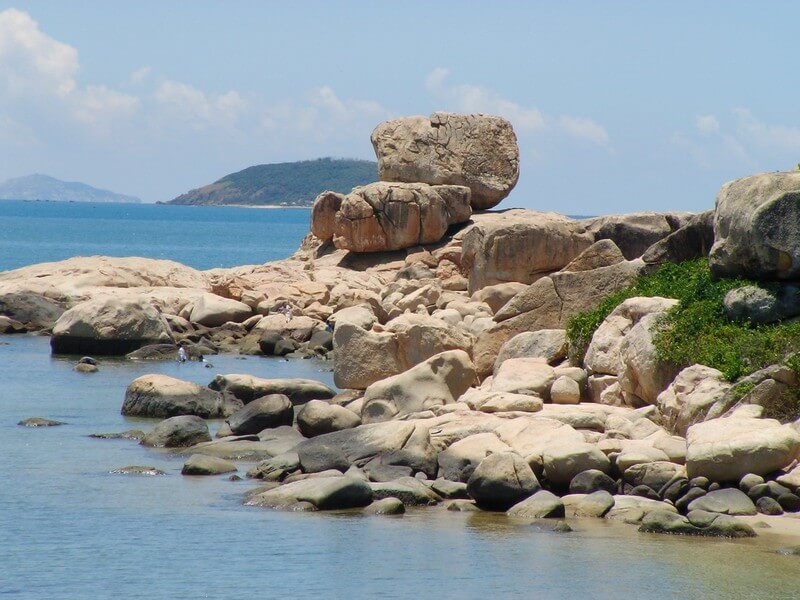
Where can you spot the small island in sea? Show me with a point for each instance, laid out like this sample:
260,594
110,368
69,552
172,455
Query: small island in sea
282,184
46,188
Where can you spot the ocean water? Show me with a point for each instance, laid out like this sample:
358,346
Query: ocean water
69,529
199,236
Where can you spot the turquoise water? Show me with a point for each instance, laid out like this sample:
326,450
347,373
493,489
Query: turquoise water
71,530
198,236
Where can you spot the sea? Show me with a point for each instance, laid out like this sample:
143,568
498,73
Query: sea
71,529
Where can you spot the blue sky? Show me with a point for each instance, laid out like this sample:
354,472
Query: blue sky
618,106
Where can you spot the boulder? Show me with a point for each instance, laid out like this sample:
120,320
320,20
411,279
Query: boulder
726,449
497,402
262,413
200,464
549,344
177,432
563,461
532,376
162,396
267,444
318,417
755,227
361,357
439,380
728,501
692,240
386,506
33,310
643,375
323,214
755,305
40,422
247,388
402,443
411,491
520,246
689,397
549,303
459,460
496,296
212,311
597,504
565,390
603,253
324,493
108,326
603,354
477,151
634,233
500,481
654,475
541,505
590,481
382,216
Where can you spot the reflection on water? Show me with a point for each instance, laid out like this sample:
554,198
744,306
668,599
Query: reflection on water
72,530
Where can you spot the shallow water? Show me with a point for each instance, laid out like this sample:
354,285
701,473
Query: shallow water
72,530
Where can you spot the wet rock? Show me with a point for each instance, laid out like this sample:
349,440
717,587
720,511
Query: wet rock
324,493
201,464
40,422
161,396
597,504
590,481
177,432
130,434
541,505
729,501
500,481
263,413
386,506
138,470
769,506
411,491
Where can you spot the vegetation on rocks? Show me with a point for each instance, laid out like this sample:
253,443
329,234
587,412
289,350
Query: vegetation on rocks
697,330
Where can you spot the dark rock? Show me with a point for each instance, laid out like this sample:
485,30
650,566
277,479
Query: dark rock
692,240
699,482
386,506
40,422
263,413
138,470
789,502
321,340
411,491
693,494
268,342
324,493
285,346
130,434
541,505
247,388
155,352
200,464
587,482
162,396
276,468
730,501
644,491
769,506
749,481
87,360
450,489
675,490
502,480
178,432
35,311
377,471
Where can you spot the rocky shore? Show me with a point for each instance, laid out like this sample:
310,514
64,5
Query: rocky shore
445,324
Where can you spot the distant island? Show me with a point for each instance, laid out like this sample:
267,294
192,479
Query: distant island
283,184
44,187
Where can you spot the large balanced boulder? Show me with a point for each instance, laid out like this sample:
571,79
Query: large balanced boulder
262,413
247,388
757,227
502,480
477,151
324,493
391,216
162,396
726,449
108,326
520,246
437,381
212,311
177,432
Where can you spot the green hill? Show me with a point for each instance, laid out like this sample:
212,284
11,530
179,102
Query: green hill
284,184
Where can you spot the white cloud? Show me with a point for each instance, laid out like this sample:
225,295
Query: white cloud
525,119
585,129
38,70
706,124
776,137
139,76
187,104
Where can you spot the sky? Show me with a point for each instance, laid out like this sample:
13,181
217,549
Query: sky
617,106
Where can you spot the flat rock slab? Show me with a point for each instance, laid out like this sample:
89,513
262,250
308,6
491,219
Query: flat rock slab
40,422
324,493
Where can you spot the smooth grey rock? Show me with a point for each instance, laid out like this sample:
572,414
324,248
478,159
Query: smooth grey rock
318,417
263,413
541,505
502,480
40,422
177,432
590,481
386,506
200,464
324,493
597,504
411,491
728,501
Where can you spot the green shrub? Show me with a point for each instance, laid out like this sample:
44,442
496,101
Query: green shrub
697,329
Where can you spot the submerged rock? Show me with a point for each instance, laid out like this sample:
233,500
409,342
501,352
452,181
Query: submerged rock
40,422
201,464
138,470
